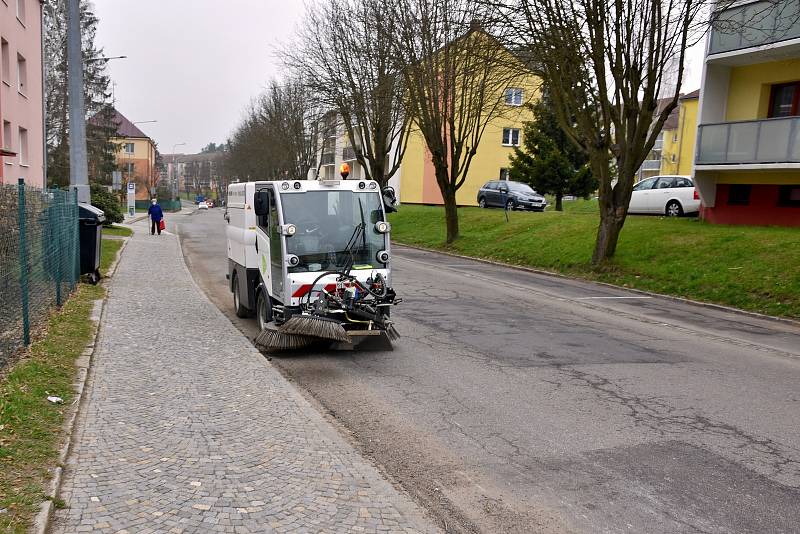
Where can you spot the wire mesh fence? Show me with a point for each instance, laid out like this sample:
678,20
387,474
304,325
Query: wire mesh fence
39,259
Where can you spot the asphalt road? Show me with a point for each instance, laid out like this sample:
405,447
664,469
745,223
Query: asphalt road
518,402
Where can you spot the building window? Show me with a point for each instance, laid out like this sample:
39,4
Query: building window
739,194
503,173
675,137
23,146
789,196
130,168
21,10
784,100
6,61
22,74
513,96
511,136
674,158
7,135
129,148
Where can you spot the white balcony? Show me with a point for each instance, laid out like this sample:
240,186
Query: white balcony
761,29
651,165
758,142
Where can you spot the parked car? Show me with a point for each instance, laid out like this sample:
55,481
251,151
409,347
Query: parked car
202,205
672,196
511,195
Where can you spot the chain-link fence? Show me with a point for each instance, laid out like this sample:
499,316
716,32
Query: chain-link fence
39,259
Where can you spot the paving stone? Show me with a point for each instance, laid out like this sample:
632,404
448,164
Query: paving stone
187,428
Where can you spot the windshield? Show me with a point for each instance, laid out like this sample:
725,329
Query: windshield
326,221
521,188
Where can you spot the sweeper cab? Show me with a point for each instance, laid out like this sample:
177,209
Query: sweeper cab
311,260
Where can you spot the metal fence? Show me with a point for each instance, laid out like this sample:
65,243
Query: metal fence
39,259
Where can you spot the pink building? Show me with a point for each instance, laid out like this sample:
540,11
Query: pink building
22,136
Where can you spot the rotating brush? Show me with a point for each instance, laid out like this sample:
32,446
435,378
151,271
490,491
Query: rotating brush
315,326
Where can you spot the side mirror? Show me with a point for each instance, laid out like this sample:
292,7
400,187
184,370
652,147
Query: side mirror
261,203
389,199
503,189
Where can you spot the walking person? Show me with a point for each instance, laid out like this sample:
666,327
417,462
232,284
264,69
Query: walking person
155,213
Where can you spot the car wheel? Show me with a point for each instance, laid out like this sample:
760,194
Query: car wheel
482,202
241,311
263,310
673,209
510,206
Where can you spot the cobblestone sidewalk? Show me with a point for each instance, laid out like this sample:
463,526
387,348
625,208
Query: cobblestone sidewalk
188,428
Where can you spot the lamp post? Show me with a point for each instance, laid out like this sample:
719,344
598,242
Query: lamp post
78,164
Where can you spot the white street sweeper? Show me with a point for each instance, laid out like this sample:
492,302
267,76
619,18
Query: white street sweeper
311,260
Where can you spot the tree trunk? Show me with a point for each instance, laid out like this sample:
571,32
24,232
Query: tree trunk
451,217
559,204
611,221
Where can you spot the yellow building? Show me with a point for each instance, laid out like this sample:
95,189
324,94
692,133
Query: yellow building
677,152
136,156
747,163
416,181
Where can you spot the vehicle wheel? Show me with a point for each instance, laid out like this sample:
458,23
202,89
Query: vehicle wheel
482,202
510,206
263,310
673,209
241,311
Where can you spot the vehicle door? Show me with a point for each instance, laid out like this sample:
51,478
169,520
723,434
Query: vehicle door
266,226
490,193
502,194
276,248
640,195
663,190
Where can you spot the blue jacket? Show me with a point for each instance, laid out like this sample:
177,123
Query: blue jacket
155,213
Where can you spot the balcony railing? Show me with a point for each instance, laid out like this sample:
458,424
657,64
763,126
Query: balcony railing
754,24
328,159
759,141
651,165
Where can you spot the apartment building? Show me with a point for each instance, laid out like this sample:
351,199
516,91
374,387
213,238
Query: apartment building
673,151
747,161
21,111
336,149
136,155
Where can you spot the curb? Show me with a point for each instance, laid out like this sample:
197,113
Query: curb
711,305
84,363
43,519
135,219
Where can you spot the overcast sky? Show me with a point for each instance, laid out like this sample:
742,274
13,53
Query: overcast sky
194,65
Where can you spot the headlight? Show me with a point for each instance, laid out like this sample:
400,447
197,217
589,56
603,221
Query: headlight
362,185
373,185
285,186
297,185
382,256
382,227
292,260
288,229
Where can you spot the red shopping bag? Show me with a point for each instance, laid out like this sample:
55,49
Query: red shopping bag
161,224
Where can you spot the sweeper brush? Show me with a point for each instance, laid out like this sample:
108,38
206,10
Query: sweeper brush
315,326
274,340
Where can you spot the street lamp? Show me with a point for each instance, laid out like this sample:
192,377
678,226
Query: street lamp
106,59
175,169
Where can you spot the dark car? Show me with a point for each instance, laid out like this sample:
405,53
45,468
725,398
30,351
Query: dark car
510,195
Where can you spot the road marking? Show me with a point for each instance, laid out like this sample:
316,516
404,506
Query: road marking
595,298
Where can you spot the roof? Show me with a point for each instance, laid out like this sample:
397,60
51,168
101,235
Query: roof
689,96
125,128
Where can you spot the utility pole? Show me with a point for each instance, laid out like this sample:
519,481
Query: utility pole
78,166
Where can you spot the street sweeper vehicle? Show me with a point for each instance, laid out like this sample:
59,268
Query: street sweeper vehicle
311,260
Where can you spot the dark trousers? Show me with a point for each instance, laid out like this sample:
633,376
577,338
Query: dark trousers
155,226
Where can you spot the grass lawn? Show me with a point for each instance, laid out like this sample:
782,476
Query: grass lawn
752,268
119,231
108,251
30,426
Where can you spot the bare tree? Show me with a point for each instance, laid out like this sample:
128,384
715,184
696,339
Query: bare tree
278,136
455,75
608,62
343,52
